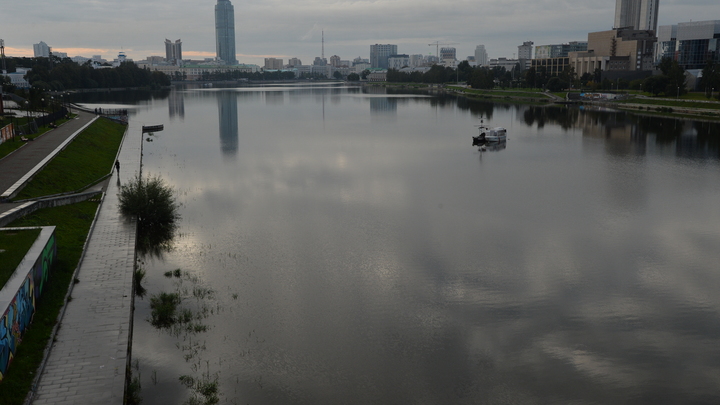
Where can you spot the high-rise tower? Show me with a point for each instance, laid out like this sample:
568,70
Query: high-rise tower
173,51
636,14
225,31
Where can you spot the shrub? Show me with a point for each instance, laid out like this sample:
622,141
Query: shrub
152,202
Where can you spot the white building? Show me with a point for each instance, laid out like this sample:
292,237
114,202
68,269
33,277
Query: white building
398,61
525,50
42,50
481,56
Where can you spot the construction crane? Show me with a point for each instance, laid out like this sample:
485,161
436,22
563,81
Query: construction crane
437,47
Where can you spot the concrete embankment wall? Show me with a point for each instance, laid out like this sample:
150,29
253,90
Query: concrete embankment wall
20,294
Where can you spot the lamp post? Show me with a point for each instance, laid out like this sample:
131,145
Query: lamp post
678,93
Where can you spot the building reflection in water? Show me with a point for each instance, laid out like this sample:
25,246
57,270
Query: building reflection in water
176,104
630,134
228,120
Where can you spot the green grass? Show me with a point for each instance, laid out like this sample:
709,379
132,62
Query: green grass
73,223
503,93
671,103
13,247
85,161
7,148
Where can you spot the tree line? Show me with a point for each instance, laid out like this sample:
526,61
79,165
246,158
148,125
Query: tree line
58,74
671,81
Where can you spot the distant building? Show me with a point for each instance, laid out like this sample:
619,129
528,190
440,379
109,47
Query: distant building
481,56
525,50
173,52
335,61
559,50
379,55
616,50
42,50
360,60
510,64
636,14
225,32
294,62
377,75
448,55
61,55
320,61
398,61
273,64
691,44
551,66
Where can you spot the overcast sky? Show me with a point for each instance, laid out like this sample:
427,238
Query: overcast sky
292,28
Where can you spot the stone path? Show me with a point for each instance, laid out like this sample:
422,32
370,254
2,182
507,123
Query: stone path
21,162
87,363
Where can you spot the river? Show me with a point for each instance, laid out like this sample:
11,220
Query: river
348,246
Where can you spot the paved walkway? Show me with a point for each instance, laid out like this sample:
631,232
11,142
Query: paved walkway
88,361
18,164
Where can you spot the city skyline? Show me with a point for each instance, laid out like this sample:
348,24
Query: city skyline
294,29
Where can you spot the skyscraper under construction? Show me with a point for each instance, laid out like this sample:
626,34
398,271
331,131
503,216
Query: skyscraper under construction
225,31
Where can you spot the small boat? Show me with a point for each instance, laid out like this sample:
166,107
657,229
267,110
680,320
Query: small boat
152,128
488,134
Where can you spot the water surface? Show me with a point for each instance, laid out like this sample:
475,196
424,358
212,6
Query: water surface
361,251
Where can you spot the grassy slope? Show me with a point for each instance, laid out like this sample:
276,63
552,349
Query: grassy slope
15,245
73,223
85,161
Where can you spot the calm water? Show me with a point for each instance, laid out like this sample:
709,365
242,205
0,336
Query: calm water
345,247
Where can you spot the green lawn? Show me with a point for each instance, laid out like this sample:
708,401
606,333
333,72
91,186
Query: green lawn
671,103
13,247
85,161
72,225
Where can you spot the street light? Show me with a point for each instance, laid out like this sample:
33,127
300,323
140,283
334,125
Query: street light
678,93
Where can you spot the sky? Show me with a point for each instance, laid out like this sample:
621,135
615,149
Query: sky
292,28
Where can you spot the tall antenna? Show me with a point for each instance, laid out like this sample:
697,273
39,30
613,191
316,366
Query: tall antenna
2,55
322,55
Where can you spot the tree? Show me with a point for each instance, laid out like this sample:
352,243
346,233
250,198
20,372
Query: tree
676,80
337,75
530,77
556,84
353,77
655,84
665,65
482,78
364,74
710,80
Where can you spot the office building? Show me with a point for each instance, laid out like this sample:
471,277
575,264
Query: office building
481,56
225,32
691,44
636,14
173,52
294,62
42,50
616,50
398,61
335,61
525,50
448,54
379,55
559,50
273,64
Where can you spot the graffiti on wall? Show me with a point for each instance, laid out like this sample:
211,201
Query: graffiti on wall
6,133
19,314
